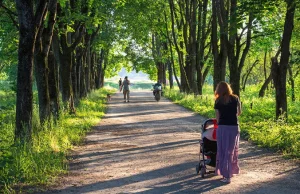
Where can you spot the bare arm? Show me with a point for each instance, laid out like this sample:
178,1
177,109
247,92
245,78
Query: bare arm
217,115
239,108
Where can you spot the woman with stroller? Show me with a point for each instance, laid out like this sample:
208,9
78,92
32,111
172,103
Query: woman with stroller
228,108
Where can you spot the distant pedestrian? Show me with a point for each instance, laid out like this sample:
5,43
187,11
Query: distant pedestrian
126,91
120,83
228,108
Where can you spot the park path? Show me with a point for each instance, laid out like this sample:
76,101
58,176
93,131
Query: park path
152,147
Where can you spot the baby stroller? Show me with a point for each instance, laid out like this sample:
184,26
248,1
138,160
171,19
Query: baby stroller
208,147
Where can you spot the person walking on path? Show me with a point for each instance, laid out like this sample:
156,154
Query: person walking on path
125,86
228,108
120,83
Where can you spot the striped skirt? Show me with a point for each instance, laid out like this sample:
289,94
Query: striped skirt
228,137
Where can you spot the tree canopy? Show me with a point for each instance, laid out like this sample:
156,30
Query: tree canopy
68,47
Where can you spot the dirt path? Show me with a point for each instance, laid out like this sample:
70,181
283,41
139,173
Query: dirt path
149,147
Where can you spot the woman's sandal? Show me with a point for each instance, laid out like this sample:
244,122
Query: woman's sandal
225,180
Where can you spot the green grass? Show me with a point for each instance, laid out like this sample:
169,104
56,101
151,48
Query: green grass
46,157
258,123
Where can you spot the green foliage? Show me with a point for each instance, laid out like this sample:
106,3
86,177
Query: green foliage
8,40
45,158
257,120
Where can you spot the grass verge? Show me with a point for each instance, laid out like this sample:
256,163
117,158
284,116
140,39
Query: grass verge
257,121
46,157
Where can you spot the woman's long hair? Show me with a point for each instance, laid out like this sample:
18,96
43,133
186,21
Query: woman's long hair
223,92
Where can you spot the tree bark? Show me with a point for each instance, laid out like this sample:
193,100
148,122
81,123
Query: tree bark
201,39
99,69
265,64
279,70
178,46
53,86
66,68
219,52
292,82
88,62
171,66
74,79
234,45
105,61
29,24
247,74
42,47
264,86
41,74
93,62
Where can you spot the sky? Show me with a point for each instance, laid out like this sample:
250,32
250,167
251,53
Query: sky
132,76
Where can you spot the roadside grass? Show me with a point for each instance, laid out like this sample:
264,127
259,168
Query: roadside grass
46,157
257,121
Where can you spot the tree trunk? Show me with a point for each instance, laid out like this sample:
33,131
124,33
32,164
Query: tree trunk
160,71
292,82
56,50
178,46
279,70
93,62
280,96
171,61
77,65
68,43
170,71
25,69
29,24
66,80
65,76
99,70
247,74
42,47
105,61
74,79
53,86
265,86
202,36
66,66
41,74
265,64
191,13
83,89
235,78
234,45
174,69
88,63
219,57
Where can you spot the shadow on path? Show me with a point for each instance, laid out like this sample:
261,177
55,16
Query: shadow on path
145,147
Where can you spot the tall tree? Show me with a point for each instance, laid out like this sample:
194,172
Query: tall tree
219,51
176,29
68,43
279,69
42,48
29,24
236,53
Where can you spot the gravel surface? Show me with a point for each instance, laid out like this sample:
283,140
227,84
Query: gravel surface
147,147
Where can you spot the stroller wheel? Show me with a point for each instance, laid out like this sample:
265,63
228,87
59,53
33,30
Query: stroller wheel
198,168
203,171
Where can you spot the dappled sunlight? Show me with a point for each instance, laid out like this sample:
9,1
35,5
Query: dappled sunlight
153,147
